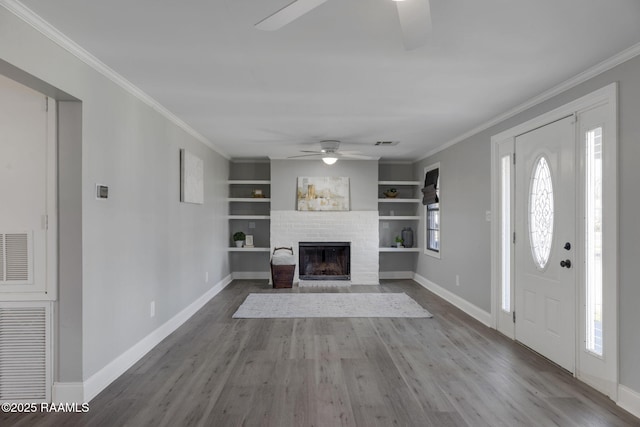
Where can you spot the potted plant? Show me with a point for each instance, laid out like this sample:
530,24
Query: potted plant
239,237
391,193
399,241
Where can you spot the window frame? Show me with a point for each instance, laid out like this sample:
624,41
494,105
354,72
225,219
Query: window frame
435,253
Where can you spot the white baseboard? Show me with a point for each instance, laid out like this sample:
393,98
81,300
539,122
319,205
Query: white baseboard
629,400
101,379
251,275
68,393
396,274
464,305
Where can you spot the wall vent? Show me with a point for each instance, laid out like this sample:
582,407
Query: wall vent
16,258
25,357
2,258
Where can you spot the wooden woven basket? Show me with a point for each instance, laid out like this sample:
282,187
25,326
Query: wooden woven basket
282,275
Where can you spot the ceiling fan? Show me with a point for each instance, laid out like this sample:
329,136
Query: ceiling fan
329,153
415,19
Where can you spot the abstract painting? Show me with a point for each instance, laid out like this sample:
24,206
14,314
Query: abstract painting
191,178
327,193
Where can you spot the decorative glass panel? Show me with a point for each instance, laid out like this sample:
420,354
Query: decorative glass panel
541,213
593,239
505,235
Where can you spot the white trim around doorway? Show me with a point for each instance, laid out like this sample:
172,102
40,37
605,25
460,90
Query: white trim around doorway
607,97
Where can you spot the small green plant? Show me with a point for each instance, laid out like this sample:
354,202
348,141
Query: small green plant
399,239
238,236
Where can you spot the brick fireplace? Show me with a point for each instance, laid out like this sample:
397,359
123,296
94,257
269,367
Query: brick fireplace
358,228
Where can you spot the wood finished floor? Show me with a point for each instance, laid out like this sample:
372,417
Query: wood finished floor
446,371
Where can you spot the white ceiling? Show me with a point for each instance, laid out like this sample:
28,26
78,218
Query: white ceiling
340,71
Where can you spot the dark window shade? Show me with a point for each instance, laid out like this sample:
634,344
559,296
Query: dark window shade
429,192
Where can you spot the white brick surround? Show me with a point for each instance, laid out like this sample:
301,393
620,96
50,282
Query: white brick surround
360,228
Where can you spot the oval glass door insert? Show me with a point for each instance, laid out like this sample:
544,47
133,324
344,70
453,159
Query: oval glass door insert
541,213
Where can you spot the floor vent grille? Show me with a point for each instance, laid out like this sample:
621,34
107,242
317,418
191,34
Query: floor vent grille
24,353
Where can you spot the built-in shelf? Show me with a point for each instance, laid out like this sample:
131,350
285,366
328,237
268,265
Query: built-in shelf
245,209
249,199
397,200
404,204
249,249
399,218
398,183
249,216
398,249
249,182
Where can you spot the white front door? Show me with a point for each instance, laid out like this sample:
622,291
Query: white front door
545,241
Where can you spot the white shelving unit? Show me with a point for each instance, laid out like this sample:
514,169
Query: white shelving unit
250,199
399,218
407,205
256,217
249,249
255,210
399,249
398,200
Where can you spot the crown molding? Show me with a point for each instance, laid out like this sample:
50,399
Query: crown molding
582,77
53,34
397,162
249,160
342,159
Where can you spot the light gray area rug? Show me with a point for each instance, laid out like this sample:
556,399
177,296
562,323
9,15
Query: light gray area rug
270,306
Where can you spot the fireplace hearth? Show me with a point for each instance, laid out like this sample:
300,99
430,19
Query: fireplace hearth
324,260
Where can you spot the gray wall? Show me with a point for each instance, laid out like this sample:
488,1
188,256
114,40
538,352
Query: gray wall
141,244
465,176
363,181
465,170
69,343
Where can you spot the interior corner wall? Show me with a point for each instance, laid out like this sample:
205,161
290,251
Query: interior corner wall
465,170
140,245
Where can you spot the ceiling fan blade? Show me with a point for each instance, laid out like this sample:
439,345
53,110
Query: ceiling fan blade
415,22
305,155
287,14
311,151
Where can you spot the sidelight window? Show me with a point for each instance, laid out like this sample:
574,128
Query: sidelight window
593,239
505,232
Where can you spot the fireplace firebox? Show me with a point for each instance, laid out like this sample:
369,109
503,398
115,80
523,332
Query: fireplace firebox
324,260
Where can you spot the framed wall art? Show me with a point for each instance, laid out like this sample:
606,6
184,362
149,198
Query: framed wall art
191,178
326,193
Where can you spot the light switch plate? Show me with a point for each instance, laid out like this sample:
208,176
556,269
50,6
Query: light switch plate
102,191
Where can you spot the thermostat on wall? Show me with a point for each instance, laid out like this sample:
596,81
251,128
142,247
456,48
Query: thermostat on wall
102,191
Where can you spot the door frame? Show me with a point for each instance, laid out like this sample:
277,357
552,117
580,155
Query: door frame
503,144
49,220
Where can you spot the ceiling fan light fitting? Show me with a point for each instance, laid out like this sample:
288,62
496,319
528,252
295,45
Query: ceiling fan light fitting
329,160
